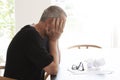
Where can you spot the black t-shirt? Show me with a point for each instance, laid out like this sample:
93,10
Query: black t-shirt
27,55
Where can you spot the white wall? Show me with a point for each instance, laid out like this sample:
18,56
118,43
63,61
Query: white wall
29,11
116,37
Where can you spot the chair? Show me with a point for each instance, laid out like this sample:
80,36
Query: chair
85,45
2,67
46,76
2,70
6,78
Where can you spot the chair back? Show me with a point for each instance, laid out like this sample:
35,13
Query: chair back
84,45
6,78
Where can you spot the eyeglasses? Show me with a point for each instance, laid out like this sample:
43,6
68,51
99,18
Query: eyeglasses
80,67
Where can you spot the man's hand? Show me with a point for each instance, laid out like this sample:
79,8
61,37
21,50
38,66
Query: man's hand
55,29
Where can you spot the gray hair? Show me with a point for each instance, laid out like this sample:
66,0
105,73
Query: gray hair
52,12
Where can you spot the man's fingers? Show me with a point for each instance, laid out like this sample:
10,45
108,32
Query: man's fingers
57,24
61,26
54,23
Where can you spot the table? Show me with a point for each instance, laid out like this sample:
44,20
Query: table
70,57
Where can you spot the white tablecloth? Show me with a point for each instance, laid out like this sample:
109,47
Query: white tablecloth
70,57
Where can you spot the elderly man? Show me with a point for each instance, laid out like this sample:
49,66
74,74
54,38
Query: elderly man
34,49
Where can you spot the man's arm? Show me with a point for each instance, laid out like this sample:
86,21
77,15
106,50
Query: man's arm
54,35
53,67
58,50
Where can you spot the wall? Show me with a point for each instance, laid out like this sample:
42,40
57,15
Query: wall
29,11
116,37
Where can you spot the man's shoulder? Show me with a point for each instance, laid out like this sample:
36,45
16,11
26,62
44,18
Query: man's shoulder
26,30
26,27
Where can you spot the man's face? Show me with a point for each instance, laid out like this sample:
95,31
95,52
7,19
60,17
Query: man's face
56,22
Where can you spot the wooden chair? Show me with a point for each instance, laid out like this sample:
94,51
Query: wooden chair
85,45
2,67
1,70
46,76
6,78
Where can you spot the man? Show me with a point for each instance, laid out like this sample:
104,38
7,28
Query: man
34,49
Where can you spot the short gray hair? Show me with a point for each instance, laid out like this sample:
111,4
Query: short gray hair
52,12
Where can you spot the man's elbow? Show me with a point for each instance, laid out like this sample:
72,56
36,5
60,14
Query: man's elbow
54,71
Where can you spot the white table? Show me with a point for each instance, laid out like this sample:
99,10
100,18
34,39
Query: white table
69,57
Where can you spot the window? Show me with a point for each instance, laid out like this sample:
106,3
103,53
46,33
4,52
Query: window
7,25
89,22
